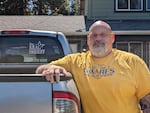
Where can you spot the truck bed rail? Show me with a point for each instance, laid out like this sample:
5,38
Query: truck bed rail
29,78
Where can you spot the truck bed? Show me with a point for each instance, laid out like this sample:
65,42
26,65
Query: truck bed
25,93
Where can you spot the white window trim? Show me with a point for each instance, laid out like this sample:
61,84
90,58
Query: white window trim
116,7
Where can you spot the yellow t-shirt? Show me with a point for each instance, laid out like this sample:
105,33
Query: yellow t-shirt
113,84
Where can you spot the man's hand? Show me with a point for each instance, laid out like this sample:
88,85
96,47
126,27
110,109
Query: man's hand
49,71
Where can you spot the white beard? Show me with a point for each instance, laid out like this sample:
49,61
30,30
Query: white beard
99,51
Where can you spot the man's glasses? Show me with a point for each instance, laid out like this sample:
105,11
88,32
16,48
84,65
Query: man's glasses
102,35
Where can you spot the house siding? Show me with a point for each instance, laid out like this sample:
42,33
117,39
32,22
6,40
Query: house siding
105,9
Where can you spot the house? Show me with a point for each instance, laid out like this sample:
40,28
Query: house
120,14
129,19
72,26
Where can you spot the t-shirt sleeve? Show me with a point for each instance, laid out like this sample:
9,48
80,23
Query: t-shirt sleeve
64,62
142,76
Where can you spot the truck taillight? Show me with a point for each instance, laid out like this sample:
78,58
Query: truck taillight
65,102
15,32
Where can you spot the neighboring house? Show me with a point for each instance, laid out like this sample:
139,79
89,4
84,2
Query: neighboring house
118,9
72,26
130,19
121,14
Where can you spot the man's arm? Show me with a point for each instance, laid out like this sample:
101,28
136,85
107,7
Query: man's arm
145,103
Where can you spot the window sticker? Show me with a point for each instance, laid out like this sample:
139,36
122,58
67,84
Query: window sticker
36,48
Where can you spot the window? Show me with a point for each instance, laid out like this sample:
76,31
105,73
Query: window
25,49
140,48
122,46
135,47
129,5
75,45
147,5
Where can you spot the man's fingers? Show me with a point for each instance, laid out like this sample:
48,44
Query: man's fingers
54,71
64,72
50,78
49,75
57,74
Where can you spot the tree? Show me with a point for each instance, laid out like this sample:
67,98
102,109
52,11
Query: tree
13,7
37,7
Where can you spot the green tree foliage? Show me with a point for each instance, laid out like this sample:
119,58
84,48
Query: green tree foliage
37,7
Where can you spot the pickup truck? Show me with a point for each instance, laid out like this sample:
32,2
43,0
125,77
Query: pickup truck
23,91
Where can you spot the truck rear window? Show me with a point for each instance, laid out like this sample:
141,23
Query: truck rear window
28,49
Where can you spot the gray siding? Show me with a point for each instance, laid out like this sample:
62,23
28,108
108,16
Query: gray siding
105,9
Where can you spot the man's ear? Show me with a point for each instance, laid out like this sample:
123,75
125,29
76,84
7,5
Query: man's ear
113,37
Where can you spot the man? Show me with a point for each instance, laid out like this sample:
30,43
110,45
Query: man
109,80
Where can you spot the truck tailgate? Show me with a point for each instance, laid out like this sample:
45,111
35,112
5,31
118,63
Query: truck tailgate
25,94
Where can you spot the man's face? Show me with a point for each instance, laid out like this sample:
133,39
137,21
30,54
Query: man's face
100,41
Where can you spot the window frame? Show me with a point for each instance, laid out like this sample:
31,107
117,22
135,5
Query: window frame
129,8
129,46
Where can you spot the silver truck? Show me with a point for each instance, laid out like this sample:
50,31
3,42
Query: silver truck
23,91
